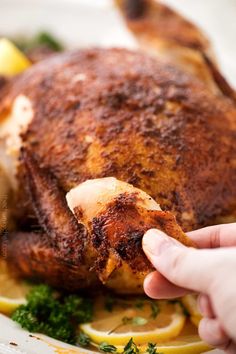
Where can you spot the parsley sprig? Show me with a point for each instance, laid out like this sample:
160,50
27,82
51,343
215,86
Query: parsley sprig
54,315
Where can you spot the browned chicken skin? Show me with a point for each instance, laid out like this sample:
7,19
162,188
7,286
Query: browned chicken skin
115,113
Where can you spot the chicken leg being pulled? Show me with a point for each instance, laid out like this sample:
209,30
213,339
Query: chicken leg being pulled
102,241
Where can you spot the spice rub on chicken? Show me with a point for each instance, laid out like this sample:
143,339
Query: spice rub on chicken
101,243
102,113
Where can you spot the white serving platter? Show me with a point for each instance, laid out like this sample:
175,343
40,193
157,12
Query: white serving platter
81,23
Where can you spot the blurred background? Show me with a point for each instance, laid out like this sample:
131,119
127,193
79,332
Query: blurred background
96,22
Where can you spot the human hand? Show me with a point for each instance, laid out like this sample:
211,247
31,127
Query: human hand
210,271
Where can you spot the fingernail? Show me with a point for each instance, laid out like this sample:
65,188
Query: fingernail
156,242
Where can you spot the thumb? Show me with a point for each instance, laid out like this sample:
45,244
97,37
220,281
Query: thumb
185,267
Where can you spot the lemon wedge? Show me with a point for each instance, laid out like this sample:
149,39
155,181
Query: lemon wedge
190,303
123,323
12,291
12,60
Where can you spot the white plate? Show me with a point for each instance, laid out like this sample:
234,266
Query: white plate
14,340
96,22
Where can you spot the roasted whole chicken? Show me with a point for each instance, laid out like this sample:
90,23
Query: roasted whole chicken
102,144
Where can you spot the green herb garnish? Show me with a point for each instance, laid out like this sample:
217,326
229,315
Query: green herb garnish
80,308
83,339
107,348
179,302
152,349
138,321
139,304
55,316
40,40
46,39
155,309
131,347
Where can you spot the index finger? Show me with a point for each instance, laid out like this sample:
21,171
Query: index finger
223,235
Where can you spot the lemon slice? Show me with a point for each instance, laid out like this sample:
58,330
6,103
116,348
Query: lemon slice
12,61
187,345
118,327
12,291
187,342
190,303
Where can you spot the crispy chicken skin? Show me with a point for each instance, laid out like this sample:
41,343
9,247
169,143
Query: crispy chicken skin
112,112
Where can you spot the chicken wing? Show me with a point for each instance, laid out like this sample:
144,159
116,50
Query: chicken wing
166,34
